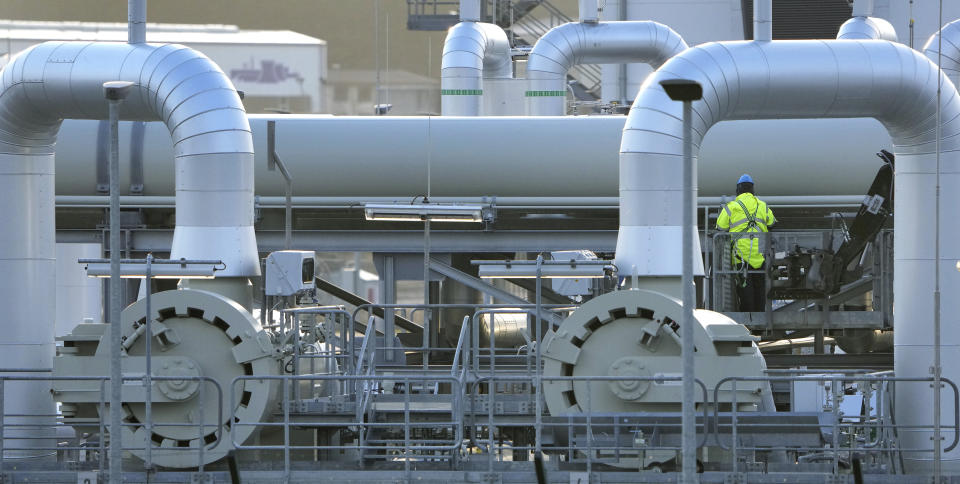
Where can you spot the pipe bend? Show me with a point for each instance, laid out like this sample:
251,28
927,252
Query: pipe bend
570,44
53,81
949,59
867,28
480,46
764,80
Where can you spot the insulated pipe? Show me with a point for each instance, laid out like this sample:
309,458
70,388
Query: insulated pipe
470,10
867,28
763,20
815,79
136,21
571,44
213,148
589,11
568,156
472,51
950,59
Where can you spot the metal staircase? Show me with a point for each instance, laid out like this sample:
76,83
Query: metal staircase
524,20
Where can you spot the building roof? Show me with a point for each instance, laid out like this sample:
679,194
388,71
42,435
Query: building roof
160,33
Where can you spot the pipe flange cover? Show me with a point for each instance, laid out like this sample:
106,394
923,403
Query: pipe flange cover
179,390
629,366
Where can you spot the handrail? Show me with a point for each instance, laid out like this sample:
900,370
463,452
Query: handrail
880,426
460,345
102,382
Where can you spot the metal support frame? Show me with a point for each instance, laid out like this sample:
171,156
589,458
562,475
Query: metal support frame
274,162
115,92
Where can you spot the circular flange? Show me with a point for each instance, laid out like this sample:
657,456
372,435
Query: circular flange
207,327
627,367
179,390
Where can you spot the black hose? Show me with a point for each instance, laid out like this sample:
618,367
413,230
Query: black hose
538,465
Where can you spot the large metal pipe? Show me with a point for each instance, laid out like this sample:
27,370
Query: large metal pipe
864,26
949,59
867,28
816,79
571,44
214,184
472,52
569,157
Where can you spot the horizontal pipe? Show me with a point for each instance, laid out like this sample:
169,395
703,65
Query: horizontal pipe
132,201
496,155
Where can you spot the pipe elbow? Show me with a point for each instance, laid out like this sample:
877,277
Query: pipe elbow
947,38
867,28
571,44
477,46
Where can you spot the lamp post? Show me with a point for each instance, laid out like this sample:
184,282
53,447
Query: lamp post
115,92
687,91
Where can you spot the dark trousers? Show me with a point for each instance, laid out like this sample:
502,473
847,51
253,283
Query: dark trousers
751,291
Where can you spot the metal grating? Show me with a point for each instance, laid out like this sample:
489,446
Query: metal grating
801,19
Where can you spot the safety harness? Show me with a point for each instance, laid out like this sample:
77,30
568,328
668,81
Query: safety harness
753,226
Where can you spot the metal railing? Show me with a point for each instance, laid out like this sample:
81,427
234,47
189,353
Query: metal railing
365,423
586,437
878,430
47,432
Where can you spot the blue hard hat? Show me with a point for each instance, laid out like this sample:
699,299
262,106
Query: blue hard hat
745,178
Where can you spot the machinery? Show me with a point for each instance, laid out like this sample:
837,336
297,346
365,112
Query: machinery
201,341
636,333
816,272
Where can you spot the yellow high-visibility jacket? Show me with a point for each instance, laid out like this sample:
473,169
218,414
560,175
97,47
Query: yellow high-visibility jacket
746,215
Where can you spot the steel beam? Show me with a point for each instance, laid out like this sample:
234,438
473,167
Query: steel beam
797,320
389,240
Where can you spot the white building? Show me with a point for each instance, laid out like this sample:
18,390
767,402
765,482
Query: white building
278,70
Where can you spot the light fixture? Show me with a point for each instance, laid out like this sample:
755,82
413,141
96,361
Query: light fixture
548,270
138,270
418,212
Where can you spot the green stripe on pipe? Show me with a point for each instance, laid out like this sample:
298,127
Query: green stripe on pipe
461,92
546,94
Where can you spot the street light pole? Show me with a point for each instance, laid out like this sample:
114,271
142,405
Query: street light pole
115,92
687,91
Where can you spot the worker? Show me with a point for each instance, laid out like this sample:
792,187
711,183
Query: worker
746,217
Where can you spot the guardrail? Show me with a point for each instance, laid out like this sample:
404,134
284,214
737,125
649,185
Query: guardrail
47,432
365,424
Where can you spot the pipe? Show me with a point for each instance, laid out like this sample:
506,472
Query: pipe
950,60
472,51
589,11
470,10
136,21
867,28
571,44
214,165
813,79
763,20
570,157
502,203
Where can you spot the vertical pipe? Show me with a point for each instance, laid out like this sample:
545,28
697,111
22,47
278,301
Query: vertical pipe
116,462
589,11
688,424
763,20
469,10
863,8
136,21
